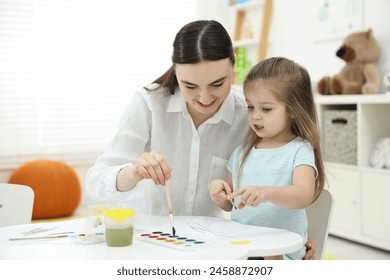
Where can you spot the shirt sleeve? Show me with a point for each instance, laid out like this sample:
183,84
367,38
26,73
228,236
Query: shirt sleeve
305,156
129,142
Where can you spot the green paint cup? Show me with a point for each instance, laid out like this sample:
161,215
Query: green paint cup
119,224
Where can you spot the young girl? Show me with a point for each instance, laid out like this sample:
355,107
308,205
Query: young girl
278,170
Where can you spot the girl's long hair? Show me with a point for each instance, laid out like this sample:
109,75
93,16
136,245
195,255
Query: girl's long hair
290,83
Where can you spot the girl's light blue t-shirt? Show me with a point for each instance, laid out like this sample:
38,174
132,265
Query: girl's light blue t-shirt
272,167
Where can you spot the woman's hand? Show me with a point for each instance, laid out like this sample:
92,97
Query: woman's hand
310,249
148,166
153,166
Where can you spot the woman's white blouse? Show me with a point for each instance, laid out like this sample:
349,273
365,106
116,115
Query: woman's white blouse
157,121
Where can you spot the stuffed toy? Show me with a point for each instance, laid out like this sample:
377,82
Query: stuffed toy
360,50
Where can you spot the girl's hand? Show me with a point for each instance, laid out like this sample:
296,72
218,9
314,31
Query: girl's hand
220,191
250,196
153,166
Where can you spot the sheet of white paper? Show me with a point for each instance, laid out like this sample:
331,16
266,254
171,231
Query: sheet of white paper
70,227
211,229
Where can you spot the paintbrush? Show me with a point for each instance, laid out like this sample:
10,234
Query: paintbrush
169,202
231,200
232,203
45,237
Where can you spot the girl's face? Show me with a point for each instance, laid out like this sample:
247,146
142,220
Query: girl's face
205,86
267,116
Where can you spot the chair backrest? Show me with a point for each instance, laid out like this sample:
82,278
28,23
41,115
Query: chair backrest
16,204
319,215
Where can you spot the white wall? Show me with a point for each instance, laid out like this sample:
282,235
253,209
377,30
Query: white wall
291,33
291,36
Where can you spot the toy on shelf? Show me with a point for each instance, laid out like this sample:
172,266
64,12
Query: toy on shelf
242,66
381,155
360,51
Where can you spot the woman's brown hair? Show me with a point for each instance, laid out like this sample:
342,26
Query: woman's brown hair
195,42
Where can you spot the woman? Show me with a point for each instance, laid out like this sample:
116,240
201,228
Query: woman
172,130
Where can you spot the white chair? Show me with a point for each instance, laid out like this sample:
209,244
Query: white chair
16,204
319,215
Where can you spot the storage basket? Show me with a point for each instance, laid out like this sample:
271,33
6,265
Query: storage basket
339,136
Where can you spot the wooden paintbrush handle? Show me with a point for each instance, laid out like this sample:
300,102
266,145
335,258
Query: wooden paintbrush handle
45,237
169,202
39,237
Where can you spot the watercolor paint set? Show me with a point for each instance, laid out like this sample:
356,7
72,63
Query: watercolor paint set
171,241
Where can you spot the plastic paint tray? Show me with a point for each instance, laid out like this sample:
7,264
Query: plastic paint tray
171,241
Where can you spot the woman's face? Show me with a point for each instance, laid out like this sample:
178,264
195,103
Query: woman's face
205,86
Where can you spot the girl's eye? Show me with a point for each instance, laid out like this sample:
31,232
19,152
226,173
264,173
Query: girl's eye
266,109
190,87
250,107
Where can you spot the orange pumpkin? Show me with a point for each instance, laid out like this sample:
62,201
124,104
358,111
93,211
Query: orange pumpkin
56,186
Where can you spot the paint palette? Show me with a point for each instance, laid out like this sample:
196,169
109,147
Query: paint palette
171,241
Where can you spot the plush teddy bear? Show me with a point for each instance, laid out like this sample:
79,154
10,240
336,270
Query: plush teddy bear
360,50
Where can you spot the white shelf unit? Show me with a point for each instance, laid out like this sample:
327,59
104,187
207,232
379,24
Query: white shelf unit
362,193
258,13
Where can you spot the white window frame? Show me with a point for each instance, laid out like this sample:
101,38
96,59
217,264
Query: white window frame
68,69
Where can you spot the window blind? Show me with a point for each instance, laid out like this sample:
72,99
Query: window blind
68,69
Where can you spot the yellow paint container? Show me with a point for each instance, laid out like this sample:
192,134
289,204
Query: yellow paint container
119,225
